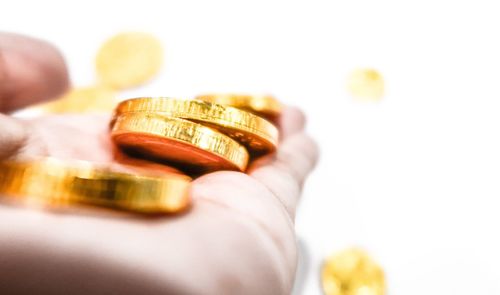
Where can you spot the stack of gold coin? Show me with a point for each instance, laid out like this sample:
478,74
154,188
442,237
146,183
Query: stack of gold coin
55,182
194,134
352,272
212,132
197,136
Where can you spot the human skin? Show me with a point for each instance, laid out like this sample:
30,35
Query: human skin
238,237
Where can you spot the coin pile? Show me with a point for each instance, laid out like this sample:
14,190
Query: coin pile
352,272
208,133
196,135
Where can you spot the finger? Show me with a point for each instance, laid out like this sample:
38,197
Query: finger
86,137
166,256
268,197
285,174
13,136
31,71
292,120
249,200
296,156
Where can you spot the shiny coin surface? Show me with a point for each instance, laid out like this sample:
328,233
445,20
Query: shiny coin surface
263,105
93,99
257,134
55,182
128,60
352,272
178,141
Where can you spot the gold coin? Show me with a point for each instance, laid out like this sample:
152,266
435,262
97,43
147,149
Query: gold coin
129,59
366,84
263,105
178,141
55,182
257,134
82,100
352,272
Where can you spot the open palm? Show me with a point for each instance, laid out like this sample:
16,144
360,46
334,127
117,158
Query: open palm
238,238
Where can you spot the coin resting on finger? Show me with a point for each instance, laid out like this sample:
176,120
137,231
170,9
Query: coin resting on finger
178,141
54,182
262,105
196,136
257,134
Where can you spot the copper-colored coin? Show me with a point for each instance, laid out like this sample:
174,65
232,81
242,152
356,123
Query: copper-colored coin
257,134
178,141
263,105
54,182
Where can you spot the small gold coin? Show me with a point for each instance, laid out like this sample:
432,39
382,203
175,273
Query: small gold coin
366,84
128,60
54,182
262,105
189,144
257,134
82,100
352,272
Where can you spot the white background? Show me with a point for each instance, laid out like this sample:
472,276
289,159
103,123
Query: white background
413,179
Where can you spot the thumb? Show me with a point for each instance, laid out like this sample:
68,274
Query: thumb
31,71
13,136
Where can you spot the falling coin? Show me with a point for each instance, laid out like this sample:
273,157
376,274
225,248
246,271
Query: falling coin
128,60
178,141
366,84
352,272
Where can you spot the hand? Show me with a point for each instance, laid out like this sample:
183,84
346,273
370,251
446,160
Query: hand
237,239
